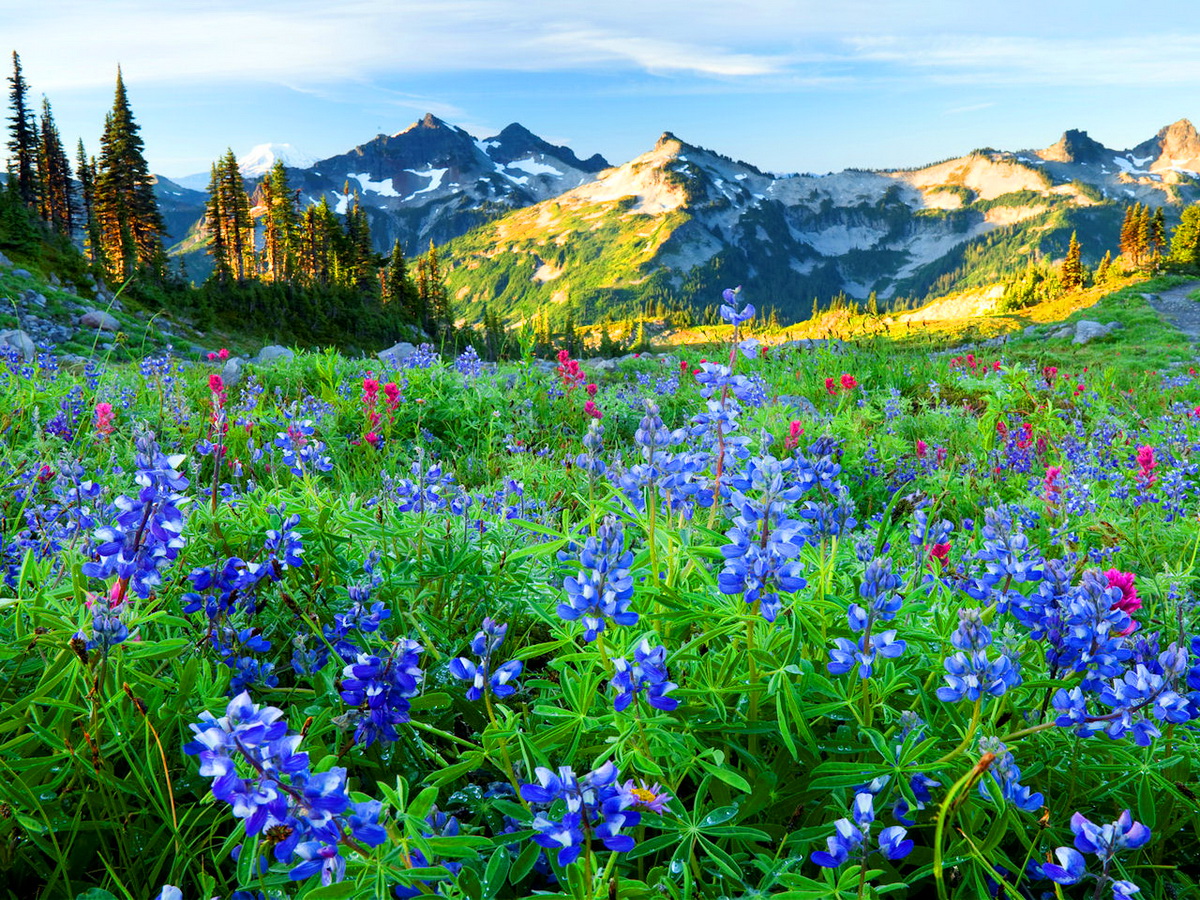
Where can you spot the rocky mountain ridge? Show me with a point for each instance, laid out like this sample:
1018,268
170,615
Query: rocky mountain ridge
531,224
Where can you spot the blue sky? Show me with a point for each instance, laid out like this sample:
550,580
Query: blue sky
788,86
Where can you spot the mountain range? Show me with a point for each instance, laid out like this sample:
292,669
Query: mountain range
524,225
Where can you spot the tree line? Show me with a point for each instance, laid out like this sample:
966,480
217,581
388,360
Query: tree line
310,275
106,205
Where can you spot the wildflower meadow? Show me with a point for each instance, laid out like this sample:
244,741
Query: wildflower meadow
754,621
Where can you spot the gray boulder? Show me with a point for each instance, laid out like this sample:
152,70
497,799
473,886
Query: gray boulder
20,341
76,365
5,261
232,371
32,297
398,353
600,364
273,353
95,318
1087,330
22,273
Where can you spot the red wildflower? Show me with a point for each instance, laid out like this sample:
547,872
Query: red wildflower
1129,602
793,438
1147,464
104,418
849,382
922,448
830,387
592,410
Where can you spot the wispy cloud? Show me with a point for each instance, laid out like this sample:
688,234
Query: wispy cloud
1143,60
311,44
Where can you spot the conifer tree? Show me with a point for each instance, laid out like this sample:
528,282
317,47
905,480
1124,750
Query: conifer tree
280,223
435,299
85,170
398,289
360,263
1103,269
23,136
1130,238
1071,272
1185,240
130,225
319,235
215,224
56,203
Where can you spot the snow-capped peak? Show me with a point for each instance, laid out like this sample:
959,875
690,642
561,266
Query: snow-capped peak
262,158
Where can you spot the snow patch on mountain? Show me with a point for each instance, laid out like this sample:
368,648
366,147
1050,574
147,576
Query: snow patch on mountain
533,167
383,188
435,177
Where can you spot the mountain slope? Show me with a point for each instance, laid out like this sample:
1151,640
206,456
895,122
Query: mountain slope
679,223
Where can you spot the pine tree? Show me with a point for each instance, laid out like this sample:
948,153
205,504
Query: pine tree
1185,241
130,225
23,137
1071,272
1103,269
436,298
56,204
85,170
361,262
214,223
280,223
399,290
319,241
1128,242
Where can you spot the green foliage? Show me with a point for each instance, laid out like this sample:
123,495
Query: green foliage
767,747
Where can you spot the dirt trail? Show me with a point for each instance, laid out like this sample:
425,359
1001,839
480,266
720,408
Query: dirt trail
1173,304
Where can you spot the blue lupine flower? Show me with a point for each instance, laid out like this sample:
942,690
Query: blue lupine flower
603,589
729,310
969,672
1103,842
1070,868
849,837
483,677
379,690
147,531
761,558
648,673
469,363
1005,775
597,800
298,813
301,452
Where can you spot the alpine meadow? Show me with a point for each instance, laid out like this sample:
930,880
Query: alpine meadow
467,515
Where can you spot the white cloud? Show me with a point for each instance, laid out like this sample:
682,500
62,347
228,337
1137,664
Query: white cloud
311,44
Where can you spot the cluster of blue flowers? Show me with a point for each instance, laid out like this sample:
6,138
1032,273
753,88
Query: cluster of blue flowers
603,589
880,588
380,689
594,807
854,837
647,673
1102,841
302,452
499,681
969,672
301,817
146,533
